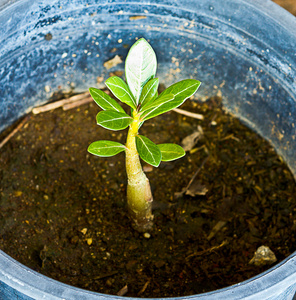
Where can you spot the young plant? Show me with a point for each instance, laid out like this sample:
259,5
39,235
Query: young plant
140,93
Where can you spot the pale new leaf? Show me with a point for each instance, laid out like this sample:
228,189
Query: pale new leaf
140,66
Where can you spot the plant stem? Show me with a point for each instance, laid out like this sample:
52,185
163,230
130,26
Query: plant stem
139,196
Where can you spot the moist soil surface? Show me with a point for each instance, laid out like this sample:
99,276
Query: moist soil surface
63,211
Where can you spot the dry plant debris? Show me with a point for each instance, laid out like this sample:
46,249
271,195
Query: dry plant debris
116,60
263,256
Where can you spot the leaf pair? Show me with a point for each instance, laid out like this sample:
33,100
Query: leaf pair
113,116
119,89
153,154
172,97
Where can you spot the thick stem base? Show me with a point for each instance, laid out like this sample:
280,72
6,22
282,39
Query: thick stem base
139,196
139,200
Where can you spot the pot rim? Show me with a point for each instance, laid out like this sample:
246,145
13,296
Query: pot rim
271,282
38,286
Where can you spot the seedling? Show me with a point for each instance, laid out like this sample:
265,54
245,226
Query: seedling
140,92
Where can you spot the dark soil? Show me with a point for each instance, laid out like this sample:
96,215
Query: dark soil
63,211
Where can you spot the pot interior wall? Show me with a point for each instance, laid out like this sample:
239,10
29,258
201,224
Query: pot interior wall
236,48
62,46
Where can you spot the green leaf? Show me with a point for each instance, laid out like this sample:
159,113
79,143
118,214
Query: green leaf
181,91
170,151
113,120
161,102
121,91
140,66
149,91
165,104
105,148
104,101
148,151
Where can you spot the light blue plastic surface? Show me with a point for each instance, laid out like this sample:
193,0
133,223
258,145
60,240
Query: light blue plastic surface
244,50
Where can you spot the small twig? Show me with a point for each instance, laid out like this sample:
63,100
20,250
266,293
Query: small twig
213,120
19,126
188,114
180,194
144,288
193,150
77,103
207,250
217,227
102,276
133,18
57,104
123,291
198,170
231,136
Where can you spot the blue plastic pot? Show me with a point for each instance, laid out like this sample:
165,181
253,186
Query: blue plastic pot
244,50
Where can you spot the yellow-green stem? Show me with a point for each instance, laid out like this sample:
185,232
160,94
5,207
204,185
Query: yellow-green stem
139,196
